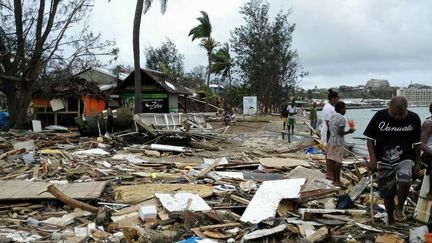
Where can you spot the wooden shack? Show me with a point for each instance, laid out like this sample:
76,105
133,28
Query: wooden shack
159,92
85,94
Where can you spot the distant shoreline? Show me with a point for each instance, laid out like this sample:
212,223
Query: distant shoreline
351,107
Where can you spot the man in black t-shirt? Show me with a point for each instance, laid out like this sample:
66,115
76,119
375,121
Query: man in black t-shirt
393,144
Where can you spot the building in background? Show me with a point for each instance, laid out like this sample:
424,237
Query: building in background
217,88
417,96
160,93
377,84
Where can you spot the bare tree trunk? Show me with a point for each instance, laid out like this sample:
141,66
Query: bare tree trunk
230,82
209,53
136,51
18,105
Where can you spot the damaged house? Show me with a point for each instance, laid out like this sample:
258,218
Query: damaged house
160,93
84,96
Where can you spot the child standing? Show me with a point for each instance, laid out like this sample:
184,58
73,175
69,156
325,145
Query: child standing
336,142
292,112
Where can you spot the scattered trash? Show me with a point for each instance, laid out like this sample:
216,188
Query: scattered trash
265,232
182,201
418,234
176,178
148,212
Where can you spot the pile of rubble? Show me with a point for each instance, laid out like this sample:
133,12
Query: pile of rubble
58,186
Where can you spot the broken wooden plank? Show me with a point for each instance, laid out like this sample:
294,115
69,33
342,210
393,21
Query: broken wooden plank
423,208
281,163
12,152
319,235
265,232
138,193
368,227
220,226
338,217
389,238
266,200
344,211
306,230
316,194
205,171
26,190
239,199
359,188
297,221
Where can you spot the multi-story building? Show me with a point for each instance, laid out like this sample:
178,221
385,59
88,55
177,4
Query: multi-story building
416,97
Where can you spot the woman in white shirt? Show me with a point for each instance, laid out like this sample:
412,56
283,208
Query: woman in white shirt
327,112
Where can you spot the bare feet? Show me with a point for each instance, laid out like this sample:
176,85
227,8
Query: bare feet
399,216
391,220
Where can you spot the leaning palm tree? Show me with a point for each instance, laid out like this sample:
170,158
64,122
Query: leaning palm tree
222,64
203,32
142,7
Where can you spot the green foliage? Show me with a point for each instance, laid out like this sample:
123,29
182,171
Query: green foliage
211,97
166,59
222,63
265,59
235,96
203,32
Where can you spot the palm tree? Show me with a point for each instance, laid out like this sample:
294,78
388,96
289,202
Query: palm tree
203,32
142,7
222,64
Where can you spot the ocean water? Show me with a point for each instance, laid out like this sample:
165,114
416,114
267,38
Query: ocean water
362,117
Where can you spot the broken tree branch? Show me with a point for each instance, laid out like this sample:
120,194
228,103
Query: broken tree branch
70,201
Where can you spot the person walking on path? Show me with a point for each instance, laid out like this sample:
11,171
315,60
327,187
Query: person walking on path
292,112
313,117
393,141
426,145
284,116
336,142
327,112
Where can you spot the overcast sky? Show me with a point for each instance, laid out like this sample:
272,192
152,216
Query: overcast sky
339,41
